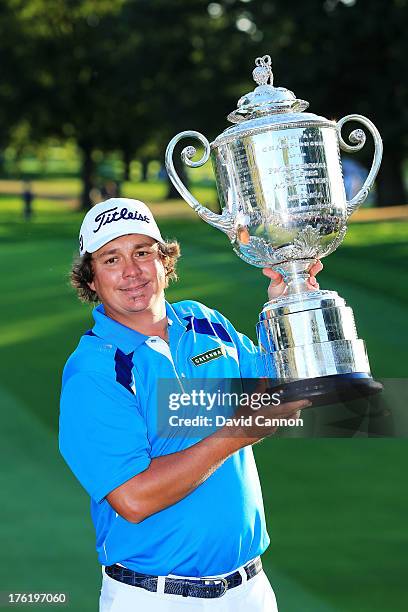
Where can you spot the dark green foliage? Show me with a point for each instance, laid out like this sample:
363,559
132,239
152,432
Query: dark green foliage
126,75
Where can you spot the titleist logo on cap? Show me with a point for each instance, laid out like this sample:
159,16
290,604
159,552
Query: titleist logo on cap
111,215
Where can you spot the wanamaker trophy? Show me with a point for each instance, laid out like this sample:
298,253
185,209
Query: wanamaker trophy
280,185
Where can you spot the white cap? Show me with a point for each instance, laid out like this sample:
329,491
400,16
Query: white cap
113,218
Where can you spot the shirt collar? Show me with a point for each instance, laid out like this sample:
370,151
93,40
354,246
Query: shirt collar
124,337
173,317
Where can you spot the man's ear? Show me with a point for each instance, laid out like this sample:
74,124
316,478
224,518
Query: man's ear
92,286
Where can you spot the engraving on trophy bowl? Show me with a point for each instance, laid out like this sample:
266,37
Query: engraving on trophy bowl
285,188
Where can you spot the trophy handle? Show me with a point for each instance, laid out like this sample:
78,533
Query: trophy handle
223,221
358,138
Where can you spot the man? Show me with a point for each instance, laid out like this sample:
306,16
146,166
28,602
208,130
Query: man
169,512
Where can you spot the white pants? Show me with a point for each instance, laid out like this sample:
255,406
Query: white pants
254,595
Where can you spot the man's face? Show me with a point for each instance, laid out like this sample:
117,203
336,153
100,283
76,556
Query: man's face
129,275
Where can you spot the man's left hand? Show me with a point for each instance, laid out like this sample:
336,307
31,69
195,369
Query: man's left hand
277,286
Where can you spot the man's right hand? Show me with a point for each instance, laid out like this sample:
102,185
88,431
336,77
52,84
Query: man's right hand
259,424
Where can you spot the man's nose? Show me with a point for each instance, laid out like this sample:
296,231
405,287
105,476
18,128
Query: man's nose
131,267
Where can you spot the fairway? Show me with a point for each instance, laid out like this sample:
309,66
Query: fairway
336,509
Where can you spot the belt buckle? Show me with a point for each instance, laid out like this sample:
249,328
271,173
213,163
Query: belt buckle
223,581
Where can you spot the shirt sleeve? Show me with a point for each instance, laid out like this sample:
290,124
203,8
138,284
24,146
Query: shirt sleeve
250,357
102,436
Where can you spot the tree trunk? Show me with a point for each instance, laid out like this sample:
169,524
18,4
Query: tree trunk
172,193
144,162
390,183
87,176
127,160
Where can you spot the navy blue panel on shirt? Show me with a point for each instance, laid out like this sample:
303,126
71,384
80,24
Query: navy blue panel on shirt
123,369
89,333
203,326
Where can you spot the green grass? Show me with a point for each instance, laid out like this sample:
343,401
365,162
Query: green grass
152,191
336,509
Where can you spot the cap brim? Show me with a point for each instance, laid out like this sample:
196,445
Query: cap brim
99,243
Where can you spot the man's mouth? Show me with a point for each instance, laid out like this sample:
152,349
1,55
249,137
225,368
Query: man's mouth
135,288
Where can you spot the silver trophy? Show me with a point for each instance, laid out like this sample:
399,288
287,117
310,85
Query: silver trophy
280,184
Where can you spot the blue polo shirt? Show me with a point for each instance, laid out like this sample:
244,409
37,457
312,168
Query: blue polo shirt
108,434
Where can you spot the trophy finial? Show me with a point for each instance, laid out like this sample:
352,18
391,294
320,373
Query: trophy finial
263,72
265,99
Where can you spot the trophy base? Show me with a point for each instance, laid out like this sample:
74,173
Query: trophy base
311,349
326,390
310,335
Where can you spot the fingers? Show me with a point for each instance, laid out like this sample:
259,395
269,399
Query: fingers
312,283
292,407
287,408
280,411
273,275
277,287
316,268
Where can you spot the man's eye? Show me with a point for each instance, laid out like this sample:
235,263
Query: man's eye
111,260
142,253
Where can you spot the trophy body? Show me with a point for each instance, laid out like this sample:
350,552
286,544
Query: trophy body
284,190
280,185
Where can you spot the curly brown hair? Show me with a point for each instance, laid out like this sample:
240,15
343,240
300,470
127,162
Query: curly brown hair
82,272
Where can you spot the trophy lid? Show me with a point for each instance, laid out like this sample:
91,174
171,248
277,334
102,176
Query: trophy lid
265,99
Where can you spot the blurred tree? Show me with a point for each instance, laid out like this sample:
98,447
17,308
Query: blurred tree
16,80
72,59
127,75
344,56
177,76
